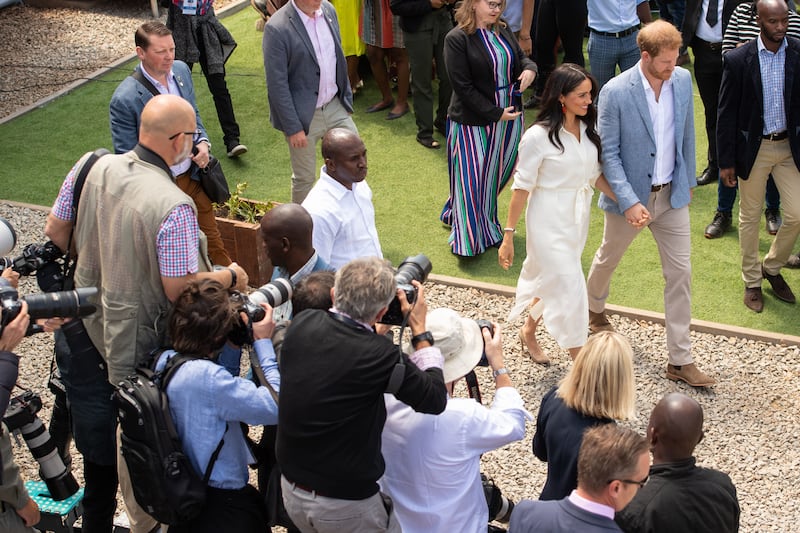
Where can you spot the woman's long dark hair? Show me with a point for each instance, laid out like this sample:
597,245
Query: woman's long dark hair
561,82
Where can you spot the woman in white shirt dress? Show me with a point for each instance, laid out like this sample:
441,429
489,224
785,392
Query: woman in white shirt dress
559,164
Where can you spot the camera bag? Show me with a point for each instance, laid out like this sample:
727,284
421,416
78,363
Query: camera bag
164,483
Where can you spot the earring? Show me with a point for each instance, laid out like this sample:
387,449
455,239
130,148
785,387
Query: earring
563,107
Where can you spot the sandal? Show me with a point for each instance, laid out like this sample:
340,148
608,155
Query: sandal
429,142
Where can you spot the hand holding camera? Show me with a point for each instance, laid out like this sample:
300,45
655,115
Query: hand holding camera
15,330
263,328
493,346
417,310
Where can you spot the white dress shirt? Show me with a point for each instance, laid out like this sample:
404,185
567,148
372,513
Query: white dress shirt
344,221
662,116
433,461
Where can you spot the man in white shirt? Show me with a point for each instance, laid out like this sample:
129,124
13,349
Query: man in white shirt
433,462
613,464
341,202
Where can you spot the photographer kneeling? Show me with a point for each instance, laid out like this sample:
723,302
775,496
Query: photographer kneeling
433,462
207,403
18,512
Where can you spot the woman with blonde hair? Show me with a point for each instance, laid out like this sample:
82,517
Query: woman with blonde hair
598,389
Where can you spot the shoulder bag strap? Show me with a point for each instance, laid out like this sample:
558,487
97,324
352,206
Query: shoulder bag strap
138,76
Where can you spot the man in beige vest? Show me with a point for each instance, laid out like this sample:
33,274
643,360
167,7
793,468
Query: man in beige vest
125,201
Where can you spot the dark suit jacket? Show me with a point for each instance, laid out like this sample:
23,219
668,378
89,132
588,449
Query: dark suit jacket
694,9
471,73
292,69
411,12
740,120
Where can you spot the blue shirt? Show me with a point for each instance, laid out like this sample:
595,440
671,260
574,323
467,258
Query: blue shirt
206,401
513,14
613,15
772,78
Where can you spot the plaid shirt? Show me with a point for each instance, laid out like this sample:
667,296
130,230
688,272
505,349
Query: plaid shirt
177,240
772,78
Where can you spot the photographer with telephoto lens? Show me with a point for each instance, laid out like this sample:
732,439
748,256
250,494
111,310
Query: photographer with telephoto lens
433,463
18,511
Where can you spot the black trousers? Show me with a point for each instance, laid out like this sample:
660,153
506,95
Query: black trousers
558,18
222,100
708,75
239,510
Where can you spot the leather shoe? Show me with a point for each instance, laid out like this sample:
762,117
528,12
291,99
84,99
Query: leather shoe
709,175
774,220
779,286
599,322
718,226
690,374
753,299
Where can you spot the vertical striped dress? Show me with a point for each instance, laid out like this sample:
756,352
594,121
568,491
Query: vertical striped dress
481,160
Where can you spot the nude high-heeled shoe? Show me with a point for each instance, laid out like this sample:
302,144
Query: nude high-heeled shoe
530,343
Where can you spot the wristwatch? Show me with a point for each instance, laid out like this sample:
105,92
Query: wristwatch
424,336
499,372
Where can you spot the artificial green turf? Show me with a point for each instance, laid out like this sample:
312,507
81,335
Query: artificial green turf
409,182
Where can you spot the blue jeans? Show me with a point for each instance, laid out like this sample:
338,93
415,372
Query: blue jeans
726,196
605,53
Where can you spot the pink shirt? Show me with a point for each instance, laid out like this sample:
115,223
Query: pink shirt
325,49
590,506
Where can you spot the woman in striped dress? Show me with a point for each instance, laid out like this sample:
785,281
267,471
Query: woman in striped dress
483,60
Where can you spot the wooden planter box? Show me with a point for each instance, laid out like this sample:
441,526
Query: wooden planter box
244,244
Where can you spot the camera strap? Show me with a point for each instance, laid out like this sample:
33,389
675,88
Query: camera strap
472,386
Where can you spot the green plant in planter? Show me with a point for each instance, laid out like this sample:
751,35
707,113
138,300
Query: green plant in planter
237,207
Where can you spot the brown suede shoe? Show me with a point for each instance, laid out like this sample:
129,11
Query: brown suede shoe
753,299
690,374
599,322
779,286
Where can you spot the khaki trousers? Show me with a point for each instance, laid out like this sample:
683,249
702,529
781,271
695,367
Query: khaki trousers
773,157
205,218
670,229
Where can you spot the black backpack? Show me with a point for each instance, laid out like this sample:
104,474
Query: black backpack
164,483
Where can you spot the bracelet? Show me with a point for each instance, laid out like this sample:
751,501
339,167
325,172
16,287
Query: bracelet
233,277
512,230
499,372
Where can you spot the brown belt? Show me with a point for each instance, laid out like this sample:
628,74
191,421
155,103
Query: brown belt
656,188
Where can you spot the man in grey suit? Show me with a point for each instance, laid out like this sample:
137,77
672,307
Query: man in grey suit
307,84
646,124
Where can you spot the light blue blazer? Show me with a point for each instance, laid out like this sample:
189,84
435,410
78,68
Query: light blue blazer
629,147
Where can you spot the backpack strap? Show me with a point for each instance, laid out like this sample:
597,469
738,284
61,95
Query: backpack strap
166,375
138,76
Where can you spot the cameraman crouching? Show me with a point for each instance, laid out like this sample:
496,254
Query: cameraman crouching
18,512
207,403
433,463
334,371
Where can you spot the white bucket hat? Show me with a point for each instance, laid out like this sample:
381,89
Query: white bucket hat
459,339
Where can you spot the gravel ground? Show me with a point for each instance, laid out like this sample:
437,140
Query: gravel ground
752,428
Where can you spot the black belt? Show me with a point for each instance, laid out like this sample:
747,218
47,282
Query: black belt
776,136
656,188
618,34
304,488
716,47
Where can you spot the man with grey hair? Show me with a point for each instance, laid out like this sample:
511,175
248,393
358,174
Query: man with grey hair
334,371
613,465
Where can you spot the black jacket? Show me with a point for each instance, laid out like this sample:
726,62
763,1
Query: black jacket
682,497
471,74
694,9
411,12
740,119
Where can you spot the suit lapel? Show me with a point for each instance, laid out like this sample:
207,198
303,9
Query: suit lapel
639,100
300,28
679,100
788,81
754,68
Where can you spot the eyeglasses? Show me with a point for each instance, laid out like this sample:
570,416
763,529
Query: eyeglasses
641,483
495,5
195,135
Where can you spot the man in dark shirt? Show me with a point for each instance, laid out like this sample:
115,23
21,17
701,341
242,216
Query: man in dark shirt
334,371
680,496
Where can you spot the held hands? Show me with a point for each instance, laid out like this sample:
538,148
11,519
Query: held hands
201,157
14,332
637,215
416,311
527,76
505,255
728,176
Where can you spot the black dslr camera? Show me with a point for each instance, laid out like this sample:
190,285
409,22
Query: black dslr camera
64,304
274,293
45,260
500,507
21,416
412,268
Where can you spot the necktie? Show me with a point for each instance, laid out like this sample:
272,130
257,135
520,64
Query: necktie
712,17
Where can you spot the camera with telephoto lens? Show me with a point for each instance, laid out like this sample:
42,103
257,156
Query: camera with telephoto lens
274,293
63,304
21,416
45,260
500,507
412,268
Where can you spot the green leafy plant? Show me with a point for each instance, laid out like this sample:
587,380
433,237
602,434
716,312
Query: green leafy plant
237,207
